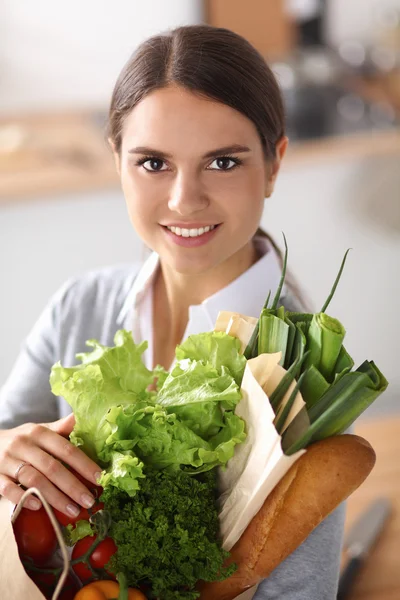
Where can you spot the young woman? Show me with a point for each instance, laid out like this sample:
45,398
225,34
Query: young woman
196,126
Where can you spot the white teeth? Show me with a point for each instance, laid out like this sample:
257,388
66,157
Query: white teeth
191,232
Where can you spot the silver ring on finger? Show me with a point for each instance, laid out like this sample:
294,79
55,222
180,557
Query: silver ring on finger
18,470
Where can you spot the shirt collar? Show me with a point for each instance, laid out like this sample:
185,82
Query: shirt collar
248,292
141,284
245,295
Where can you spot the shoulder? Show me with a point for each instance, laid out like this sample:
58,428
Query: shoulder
88,305
97,286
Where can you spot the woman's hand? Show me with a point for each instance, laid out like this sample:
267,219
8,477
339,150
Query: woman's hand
40,448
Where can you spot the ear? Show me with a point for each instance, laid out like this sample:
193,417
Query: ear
274,167
117,158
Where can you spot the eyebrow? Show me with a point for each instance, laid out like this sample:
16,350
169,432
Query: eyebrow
234,149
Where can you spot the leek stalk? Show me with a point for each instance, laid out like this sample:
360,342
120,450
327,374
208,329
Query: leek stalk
273,335
284,384
341,405
325,338
286,409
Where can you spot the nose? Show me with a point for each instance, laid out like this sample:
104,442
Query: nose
186,195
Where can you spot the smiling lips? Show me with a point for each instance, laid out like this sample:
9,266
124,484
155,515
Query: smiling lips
195,232
191,237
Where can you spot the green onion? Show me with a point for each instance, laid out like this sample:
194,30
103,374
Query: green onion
312,351
325,337
273,335
282,280
251,348
296,430
333,290
314,386
299,343
290,342
284,384
344,364
341,405
287,408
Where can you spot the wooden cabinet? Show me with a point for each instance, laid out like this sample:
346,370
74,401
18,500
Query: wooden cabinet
265,23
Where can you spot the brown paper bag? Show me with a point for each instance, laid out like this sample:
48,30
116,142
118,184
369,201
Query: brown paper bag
15,583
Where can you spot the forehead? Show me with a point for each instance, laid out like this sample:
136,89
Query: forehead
174,116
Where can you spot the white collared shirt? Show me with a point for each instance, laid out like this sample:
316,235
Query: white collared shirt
246,294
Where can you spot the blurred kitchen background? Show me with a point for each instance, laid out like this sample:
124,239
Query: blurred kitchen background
61,209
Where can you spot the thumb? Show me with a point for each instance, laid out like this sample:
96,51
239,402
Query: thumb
63,426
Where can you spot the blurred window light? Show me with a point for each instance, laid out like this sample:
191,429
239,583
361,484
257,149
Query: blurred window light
303,9
318,67
351,107
353,53
382,114
387,17
12,137
384,59
285,75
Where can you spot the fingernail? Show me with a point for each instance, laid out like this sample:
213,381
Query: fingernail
97,476
87,500
34,504
73,510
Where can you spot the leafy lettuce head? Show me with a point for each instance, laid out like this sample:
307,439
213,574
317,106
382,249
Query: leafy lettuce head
187,422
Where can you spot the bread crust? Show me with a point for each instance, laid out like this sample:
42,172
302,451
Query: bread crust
329,472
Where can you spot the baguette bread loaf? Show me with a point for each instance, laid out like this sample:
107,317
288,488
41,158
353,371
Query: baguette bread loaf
316,484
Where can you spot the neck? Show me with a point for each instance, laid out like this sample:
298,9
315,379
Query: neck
175,292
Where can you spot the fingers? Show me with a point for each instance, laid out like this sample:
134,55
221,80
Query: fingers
31,477
63,426
43,449
62,449
48,474
10,490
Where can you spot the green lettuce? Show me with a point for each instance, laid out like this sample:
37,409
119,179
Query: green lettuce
199,394
74,533
108,376
186,423
217,349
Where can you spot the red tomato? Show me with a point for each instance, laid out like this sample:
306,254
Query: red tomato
84,513
98,559
35,536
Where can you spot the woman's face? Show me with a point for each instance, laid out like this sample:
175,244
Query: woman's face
194,176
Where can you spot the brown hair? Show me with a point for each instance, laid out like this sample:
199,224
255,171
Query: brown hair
214,62
211,61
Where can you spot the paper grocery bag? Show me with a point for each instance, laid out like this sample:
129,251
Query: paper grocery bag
259,462
14,582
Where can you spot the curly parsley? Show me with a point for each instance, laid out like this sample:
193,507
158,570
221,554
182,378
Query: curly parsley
168,534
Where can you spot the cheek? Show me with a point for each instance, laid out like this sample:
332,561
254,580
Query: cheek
141,195
242,195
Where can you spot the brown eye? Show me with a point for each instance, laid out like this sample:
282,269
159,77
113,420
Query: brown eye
154,164
224,163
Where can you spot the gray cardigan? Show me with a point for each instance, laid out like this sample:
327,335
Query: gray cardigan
90,306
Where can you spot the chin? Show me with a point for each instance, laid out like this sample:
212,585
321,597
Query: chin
192,265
